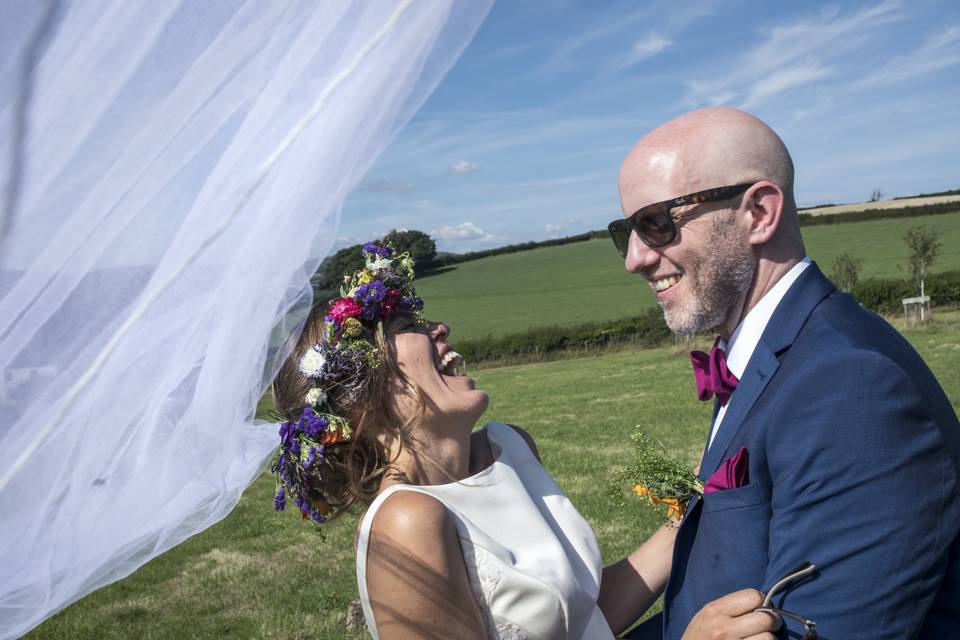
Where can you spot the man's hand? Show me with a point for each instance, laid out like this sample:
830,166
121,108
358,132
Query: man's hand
732,617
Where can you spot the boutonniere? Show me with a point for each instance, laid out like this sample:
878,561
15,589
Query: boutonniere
655,475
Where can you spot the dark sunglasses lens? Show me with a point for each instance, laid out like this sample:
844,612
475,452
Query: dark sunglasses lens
656,229
620,234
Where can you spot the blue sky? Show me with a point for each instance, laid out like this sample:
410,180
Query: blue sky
524,138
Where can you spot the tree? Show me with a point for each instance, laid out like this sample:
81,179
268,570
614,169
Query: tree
845,271
876,194
924,245
419,245
330,276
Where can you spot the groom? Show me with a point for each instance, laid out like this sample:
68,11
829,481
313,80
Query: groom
850,447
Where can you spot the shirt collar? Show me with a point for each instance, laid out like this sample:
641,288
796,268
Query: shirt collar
739,348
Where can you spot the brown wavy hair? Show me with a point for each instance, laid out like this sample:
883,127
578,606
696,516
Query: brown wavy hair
351,471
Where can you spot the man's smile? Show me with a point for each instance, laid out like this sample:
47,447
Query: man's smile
662,284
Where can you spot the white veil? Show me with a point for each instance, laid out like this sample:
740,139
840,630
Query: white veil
172,173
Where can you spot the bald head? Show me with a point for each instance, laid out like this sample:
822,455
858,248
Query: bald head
703,149
725,254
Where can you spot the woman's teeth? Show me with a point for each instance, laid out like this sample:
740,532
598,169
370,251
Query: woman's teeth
449,363
664,283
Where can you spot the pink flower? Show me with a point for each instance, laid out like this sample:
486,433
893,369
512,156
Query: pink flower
344,308
733,473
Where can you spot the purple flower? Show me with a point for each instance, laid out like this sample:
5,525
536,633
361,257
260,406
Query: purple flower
315,455
411,303
313,424
369,296
308,509
343,362
287,433
282,470
376,250
280,500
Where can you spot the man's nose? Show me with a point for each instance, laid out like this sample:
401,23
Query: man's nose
639,255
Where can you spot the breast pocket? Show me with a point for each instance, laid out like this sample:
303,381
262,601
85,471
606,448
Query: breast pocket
732,536
739,498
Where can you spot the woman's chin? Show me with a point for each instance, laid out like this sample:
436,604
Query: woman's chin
459,382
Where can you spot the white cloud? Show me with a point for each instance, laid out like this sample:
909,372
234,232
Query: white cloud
793,55
462,231
462,167
650,46
387,186
780,81
940,51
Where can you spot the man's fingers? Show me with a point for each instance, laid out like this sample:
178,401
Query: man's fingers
737,603
755,624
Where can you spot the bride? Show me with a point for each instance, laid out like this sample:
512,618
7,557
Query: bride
466,535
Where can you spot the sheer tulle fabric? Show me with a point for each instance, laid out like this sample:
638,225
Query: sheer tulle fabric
172,174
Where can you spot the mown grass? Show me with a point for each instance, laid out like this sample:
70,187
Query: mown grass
586,281
258,574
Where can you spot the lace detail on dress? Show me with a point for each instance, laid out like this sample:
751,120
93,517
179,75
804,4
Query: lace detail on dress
484,578
510,632
488,575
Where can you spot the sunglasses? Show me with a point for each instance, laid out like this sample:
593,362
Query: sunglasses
805,570
656,225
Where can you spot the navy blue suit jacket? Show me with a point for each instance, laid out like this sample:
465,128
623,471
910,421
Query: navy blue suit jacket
854,465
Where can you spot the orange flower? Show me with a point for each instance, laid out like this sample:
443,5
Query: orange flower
674,508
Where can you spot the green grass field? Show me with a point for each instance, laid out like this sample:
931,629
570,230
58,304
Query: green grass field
586,281
258,574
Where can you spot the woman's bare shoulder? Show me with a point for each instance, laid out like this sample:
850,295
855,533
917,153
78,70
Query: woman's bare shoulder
415,571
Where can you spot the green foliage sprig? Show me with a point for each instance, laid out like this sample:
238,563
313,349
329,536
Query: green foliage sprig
656,475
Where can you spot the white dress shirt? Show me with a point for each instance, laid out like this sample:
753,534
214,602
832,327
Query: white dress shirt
739,348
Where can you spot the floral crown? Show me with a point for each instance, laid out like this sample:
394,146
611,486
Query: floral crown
343,360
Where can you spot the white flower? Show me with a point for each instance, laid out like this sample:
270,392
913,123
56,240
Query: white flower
315,396
379,264
311,364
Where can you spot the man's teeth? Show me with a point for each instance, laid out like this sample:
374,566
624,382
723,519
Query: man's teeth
664,283
449,363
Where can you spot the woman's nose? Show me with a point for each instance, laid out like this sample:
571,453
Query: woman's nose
439,331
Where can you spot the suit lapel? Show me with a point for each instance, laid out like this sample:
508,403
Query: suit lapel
791,314
763,364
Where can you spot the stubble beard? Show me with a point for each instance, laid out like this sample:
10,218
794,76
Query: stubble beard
718,283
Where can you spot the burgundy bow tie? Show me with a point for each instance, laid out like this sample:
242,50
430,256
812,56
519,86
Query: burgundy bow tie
712,375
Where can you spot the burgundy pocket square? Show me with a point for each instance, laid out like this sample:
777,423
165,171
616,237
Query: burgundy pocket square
732,474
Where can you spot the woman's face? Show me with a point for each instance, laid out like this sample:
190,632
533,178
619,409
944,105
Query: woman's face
424,356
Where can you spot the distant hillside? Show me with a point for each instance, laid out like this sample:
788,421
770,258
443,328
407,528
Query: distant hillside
586,281
895,203
921,205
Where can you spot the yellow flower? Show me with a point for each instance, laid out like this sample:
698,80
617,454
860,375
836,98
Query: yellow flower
365,277
352,328
674,509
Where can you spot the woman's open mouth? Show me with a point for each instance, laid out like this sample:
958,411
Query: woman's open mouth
450,364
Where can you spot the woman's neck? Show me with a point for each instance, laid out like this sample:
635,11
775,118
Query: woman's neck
429,458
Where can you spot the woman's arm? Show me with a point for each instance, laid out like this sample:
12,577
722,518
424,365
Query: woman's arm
629,587
416,577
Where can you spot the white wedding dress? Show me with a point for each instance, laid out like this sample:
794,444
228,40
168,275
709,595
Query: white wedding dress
532,559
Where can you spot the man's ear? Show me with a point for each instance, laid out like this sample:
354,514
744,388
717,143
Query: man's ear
764,201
